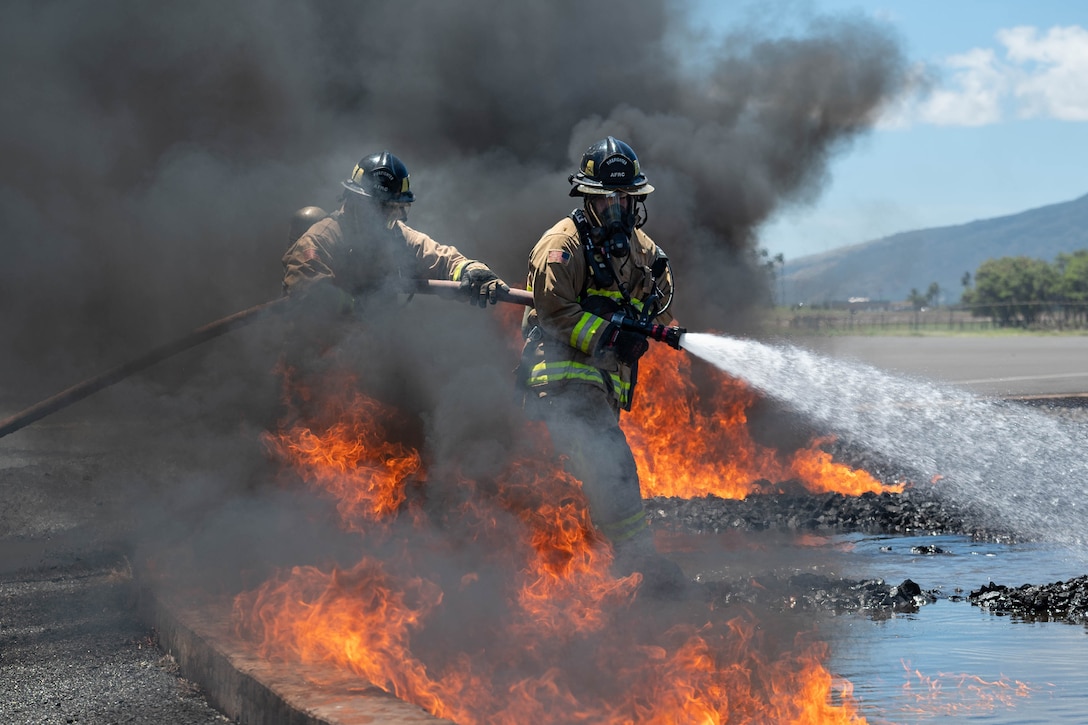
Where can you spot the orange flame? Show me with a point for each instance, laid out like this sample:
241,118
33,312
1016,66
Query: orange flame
351,456
688,447
373,623
507,613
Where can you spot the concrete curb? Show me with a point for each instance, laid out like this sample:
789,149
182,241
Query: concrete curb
249,689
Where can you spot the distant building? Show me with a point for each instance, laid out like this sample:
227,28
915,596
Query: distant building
860,304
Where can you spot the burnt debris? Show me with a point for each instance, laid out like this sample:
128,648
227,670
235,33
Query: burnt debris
1062,601
814,592
914,511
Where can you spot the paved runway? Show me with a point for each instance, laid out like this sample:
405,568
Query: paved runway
1013,366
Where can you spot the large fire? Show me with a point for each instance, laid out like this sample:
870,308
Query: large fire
502,608
687,447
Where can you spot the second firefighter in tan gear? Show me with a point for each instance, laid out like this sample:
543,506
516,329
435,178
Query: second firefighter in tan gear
353,264
580,368
365,246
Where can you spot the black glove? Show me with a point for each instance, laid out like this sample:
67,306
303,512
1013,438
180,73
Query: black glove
628,347
481,284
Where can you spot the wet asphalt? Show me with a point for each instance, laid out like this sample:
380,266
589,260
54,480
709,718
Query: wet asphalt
81,493
73,646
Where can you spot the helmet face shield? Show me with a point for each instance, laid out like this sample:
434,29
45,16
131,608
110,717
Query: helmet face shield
613,218
610,209
395,211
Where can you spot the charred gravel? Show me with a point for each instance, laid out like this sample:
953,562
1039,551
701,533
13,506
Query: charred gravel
914,511
812,592
1062,601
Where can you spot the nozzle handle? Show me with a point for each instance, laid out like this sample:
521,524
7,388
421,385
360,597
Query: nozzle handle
670,335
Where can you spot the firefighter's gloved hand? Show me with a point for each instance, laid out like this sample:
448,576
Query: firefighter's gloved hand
627,346
481,284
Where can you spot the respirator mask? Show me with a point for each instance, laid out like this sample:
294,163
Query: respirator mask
393,212
614,222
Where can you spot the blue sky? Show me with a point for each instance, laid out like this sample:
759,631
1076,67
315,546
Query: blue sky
1003,129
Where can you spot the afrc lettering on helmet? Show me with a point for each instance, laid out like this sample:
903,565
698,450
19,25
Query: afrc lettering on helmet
382,176
607,166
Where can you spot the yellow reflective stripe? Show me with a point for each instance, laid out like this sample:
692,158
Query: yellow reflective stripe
623,530
622,388
547,372
553,372
456,276
582,334
613,295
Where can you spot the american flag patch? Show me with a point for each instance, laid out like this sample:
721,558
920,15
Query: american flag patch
558,255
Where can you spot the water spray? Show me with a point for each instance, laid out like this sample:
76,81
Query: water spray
1025,468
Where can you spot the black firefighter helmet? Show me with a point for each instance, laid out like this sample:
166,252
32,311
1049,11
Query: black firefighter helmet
383,177
607,166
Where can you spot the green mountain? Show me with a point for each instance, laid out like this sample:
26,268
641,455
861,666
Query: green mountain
888,268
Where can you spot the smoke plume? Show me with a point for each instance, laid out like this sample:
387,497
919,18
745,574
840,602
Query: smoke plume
154,154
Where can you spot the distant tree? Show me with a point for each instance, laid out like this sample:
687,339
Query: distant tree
1072,271
1012,289
917,299
933,294
965,280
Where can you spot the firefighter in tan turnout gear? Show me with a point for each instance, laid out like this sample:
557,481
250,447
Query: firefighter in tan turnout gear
365,246
349,264
580,366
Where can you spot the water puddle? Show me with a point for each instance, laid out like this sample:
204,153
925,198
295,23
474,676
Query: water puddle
954,660
949,659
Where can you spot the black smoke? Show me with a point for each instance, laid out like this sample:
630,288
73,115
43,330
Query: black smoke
153,155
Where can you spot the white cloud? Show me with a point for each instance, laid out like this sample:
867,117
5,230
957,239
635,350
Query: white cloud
973,98
1054,83
1033,76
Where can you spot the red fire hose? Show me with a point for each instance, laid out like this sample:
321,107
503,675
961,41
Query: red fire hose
202,334
453,289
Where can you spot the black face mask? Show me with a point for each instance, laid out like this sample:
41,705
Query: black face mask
616,226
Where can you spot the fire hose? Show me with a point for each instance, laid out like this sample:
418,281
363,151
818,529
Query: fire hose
92,385
661,333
